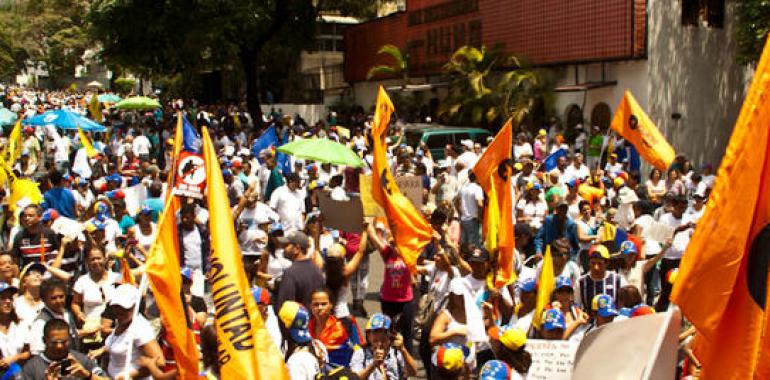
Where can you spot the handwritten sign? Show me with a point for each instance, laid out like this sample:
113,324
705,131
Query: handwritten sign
411,187
551,359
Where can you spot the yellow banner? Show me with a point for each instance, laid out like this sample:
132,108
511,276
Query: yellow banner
15,145
246,350
95,108
371,208
545,285
86,142
631,122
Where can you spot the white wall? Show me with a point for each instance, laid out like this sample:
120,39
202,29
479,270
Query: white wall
310,112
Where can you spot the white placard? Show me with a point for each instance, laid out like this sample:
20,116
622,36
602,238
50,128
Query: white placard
135,196
659,232
551,359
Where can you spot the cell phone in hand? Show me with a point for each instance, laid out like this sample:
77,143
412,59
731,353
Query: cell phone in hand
64,367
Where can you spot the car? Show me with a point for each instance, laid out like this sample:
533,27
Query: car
436,137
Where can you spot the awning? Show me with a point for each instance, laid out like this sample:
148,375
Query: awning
582,87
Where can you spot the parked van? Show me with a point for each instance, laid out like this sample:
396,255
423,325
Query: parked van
436,137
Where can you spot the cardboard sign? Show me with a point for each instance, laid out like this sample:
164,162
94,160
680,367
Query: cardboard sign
344,216
411,187
370,207
190,176
551,359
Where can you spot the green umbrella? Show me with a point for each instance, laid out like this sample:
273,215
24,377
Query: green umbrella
7,117
108,98
322,150
138,103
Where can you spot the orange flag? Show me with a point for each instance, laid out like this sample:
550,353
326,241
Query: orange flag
631,122
243,338
163,271
498,215
410,230
722,282
125,272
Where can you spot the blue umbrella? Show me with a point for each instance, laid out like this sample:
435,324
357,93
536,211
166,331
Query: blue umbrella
65,120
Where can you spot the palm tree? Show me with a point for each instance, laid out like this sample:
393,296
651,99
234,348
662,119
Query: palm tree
482,90
400,66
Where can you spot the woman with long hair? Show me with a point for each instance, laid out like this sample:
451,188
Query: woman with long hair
329,330
656,187
509,346
92,292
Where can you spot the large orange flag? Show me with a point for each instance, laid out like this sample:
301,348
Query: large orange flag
243,338
722,281
494,177
163,270
410,230
631,122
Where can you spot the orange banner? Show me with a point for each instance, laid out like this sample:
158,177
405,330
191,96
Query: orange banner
163,271
246,350
410,230
722,282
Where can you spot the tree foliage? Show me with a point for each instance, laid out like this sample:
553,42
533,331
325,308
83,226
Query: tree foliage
487,86
52,32
399,68
752,27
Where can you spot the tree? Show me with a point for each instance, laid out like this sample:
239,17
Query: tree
399,68
187,35
751,30
487,86
49,31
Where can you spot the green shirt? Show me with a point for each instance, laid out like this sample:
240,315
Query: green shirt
595,145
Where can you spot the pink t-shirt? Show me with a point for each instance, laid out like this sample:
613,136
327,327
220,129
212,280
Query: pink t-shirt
539,151
397,286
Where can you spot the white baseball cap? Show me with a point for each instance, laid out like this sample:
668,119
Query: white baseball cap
125,296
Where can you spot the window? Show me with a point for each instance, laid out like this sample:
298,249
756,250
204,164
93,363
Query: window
690,12
601,116
439,141
715,13
712,12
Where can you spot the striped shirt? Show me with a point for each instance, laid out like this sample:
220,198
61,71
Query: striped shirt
589,288
27,247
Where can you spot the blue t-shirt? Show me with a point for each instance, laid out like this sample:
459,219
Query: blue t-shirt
62,200
156,204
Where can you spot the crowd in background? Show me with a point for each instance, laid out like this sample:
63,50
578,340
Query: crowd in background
67,297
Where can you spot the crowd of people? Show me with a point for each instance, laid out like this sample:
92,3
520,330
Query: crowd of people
68,294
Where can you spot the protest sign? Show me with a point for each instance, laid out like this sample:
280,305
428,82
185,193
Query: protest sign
190,176
659,232
551,359
135,196
411,187
341,215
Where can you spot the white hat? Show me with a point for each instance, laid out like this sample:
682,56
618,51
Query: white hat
125,296
244,152
467,143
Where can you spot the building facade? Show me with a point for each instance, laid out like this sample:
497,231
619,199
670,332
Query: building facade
676,56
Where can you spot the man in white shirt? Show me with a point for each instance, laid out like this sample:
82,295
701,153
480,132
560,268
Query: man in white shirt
577,170
141,146
467,158
471,204
289,202
683,228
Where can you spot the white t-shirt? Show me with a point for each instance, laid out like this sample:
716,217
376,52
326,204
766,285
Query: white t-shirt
276,265
141,145
145,241
260,213
470,195
290,205
136,335
571,172
193,242
535,210
26,312
12,341
468,159
680,239
522,150
303,365
95,296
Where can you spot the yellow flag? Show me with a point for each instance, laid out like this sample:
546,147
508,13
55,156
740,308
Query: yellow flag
86,142
545,285
631,122
13,151
246,350
95,108
492,219
163,271
410,229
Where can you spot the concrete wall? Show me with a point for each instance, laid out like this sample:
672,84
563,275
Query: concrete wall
692,71
689,70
